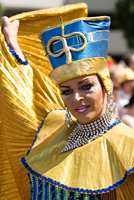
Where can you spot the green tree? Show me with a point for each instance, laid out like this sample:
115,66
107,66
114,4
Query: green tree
1,11
124,19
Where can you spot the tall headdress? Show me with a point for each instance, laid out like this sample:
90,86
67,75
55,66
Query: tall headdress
77,48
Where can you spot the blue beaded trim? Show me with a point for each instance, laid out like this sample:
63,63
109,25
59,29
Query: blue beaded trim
16,56
39,131
69,188
64,187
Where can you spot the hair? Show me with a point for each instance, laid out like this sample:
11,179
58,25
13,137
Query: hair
102,85
131,102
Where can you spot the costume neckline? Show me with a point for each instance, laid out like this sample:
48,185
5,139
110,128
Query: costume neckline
83,134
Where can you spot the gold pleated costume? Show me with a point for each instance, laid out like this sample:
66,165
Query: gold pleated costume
26,95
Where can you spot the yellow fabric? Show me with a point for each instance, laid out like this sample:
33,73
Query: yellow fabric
82,68
26,95
101,163
126,75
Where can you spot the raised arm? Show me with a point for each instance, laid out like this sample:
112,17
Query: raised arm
10,31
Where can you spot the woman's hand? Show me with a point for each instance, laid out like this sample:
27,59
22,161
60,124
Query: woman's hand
10,31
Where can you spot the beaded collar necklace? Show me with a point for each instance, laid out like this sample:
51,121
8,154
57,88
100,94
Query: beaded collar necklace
83,134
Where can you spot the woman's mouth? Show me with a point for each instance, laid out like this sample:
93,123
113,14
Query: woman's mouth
81,109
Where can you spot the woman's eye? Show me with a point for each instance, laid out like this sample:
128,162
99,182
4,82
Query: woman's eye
66,92
86,87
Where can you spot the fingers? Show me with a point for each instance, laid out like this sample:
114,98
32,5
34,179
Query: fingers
10,30
15,23
6,21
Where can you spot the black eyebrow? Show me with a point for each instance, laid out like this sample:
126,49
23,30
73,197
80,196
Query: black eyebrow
78,83
65,86
83,80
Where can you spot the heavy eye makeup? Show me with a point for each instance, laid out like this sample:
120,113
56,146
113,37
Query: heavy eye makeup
84,86
66,92
90,85
87,85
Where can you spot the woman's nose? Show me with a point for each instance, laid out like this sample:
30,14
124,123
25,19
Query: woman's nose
77,97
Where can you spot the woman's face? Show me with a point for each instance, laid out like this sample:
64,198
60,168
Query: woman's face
85,98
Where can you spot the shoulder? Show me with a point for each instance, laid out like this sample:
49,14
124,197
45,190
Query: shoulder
121,139
55,116
52,124
123,130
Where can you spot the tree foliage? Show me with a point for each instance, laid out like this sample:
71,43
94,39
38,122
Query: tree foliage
1,10
124,19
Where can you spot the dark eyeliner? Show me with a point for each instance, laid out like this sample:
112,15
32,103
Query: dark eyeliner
88,86
65,92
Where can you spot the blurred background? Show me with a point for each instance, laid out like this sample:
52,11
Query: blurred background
121,42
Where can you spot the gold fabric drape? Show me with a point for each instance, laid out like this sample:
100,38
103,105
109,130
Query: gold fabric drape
26,95
95,166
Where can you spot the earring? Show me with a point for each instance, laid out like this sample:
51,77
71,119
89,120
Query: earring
68,118
111,104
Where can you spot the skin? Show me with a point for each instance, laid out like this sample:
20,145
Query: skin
85,98
10,31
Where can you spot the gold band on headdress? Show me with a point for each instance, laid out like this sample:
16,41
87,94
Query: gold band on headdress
82,68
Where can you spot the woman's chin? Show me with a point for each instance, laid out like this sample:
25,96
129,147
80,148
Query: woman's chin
85,119
88,118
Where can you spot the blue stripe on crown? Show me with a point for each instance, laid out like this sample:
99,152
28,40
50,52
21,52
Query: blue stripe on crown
95,31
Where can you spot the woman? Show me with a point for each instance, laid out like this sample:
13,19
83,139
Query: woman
128,118
91,159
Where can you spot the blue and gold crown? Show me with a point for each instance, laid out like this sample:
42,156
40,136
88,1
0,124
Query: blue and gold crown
77,48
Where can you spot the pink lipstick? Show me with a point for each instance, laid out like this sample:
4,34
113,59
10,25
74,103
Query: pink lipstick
81,109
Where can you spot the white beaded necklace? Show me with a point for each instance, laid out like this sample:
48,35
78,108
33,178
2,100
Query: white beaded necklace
83,134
